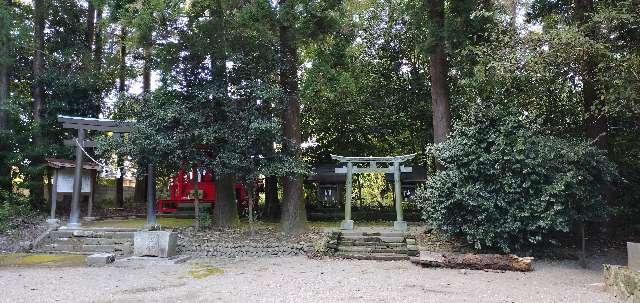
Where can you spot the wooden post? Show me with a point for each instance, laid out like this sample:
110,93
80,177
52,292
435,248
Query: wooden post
399,224
89,216
54,197
74,217
151,197
347,224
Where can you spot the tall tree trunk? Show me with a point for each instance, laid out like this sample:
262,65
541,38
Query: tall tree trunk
438,69
40,16
141,186
5,61
272,204
36,190
97,50
294,214
121,89
595,123
90,29
225,210
97,57
196,197
249,185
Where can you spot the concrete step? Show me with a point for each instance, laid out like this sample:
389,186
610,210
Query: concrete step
92,241
372,234
378,257
80,248
373,249
93,233
371,243
361,238
124,249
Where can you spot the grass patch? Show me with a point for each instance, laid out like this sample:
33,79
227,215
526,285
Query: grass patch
141,222
336,224
201,271
26,260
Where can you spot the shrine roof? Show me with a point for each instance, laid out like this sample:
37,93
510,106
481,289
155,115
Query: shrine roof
61,163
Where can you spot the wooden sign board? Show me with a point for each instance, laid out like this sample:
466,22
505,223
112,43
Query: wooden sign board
64,184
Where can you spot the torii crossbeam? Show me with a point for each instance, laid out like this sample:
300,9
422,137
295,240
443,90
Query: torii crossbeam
390,165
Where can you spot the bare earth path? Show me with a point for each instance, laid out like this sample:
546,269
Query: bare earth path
298,279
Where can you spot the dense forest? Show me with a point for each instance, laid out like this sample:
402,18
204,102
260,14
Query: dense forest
530,102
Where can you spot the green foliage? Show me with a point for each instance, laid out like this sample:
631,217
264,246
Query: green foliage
14,209
373,190
506,184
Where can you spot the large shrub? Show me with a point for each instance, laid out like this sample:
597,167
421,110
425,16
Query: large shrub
506,184
14,210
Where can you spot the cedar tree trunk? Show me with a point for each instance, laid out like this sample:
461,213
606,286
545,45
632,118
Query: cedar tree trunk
438,69
294,214
272,205
5,58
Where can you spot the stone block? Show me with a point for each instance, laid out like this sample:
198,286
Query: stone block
154,243
633,256
400,225
53,222
100,259
346,225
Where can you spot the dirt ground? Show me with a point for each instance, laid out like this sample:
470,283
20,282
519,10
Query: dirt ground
299,279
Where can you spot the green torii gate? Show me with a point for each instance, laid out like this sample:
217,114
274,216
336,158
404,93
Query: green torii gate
118,128
390,165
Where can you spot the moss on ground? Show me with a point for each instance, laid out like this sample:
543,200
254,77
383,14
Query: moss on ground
201,271
27,260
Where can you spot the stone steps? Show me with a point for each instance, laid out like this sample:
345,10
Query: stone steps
350,233
374,256
80,248
372,239
373,249
107,233
89,241
366,243
92,241
384,246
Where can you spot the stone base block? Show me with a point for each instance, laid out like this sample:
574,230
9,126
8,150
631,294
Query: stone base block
633,255
100,259
622,282
72,226
53,222
400,225
346,225
154,243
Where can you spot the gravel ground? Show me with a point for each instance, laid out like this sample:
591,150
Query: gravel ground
233,243
299,279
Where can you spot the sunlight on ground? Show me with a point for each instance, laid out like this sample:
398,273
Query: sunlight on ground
42,260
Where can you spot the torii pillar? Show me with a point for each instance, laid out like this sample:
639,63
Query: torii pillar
394,167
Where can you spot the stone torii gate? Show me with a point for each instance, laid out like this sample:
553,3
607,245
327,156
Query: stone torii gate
118,128
390,165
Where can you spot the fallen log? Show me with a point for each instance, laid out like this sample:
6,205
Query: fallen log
474,261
